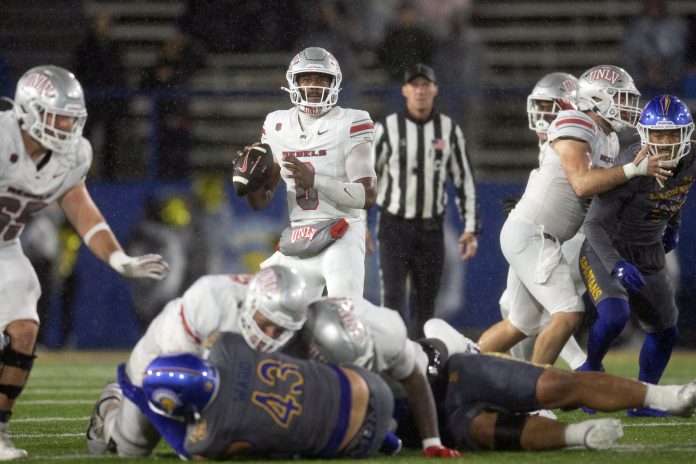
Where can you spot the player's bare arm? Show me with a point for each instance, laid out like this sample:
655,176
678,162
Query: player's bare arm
577,166
422,403
88,221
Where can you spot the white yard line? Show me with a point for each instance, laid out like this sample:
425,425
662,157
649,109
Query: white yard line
48,419
661,424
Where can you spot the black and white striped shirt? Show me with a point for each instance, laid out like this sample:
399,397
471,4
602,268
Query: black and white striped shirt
413,161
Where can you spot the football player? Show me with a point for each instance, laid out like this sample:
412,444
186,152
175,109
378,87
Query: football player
266,309
485,399
242,402
45,159
322,152
629,230
553,93
553,207
381,343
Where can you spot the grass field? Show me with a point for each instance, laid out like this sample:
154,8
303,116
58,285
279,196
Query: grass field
51,416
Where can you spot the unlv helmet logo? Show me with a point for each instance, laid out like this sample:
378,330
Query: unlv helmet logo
604,74
569,86
41,83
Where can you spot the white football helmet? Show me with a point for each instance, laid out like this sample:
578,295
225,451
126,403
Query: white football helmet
43,93
314,60
553,93
279,294
609,92
336,335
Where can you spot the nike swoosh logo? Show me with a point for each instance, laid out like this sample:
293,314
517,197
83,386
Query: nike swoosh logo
58,175
345,189
322,133
244,164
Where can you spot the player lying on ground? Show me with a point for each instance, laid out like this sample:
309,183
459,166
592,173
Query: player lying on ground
266,309
486,398
243,402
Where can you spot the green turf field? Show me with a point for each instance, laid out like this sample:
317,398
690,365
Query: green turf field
51,416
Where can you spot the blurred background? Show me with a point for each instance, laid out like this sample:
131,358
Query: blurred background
174,88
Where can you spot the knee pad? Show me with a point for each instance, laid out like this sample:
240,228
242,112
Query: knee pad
508,431
10,357
614,312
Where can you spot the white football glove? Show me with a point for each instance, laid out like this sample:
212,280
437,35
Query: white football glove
149,266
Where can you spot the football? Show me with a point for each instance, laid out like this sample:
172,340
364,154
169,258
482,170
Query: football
252,168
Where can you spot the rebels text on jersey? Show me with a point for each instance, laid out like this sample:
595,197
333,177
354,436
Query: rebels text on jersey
549,199
323,147
26,187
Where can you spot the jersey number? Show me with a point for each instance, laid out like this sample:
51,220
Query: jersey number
13,216
307,199
282,407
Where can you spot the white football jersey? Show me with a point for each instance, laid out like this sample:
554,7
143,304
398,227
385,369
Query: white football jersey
26,189
549,200
395,353
323,147
212,303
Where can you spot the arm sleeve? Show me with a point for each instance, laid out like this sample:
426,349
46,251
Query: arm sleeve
359,162
603,212
462,175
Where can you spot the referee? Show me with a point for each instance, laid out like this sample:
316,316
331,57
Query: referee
415,151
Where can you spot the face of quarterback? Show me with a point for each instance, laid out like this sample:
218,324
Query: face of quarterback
420,95
314,86
63,124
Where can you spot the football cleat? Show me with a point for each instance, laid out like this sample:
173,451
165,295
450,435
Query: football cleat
602,433
687,396
8,451
451,337
111,395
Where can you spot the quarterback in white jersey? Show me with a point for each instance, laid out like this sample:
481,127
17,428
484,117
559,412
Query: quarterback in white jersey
377,340
553,207
322,153
267,310
44,159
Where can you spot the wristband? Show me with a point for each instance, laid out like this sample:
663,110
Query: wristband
433,441
631,170
93,231
118,260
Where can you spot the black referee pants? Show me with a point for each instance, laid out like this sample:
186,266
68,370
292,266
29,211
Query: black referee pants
415,248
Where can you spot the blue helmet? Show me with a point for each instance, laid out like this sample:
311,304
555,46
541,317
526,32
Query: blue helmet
180,385
666,112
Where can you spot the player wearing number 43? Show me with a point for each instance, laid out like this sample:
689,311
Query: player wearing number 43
241,402
629,230
266,309
44,158
322,151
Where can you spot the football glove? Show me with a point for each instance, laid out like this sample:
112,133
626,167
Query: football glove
252,168
670,238
629,276
139,267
